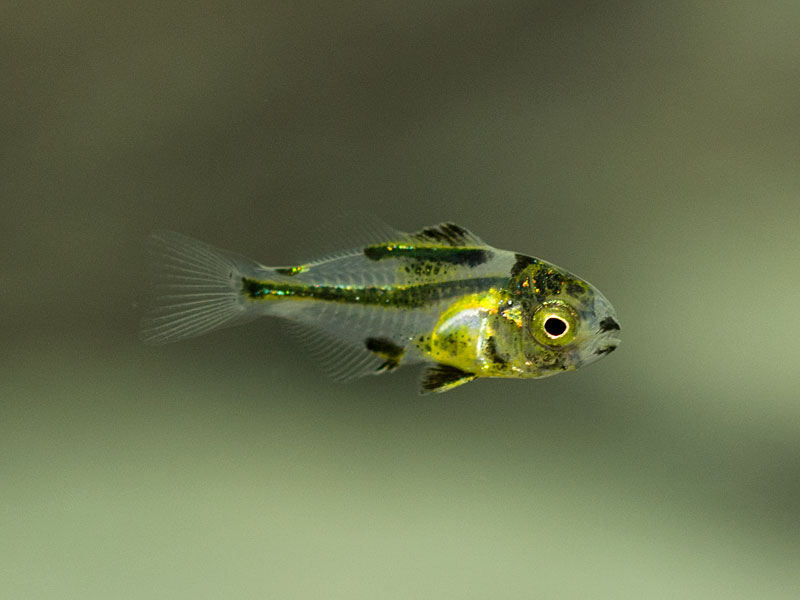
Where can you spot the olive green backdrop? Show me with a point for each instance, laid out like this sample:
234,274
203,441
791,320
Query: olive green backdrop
653,148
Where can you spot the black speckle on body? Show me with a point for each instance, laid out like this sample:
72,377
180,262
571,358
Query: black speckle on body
547,282
423,269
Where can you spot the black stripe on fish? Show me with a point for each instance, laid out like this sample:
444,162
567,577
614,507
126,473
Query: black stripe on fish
398,296
435,254
386,349
447,233
291,270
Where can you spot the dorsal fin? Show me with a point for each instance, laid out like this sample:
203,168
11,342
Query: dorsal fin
395,257
440,378
346,234
448,234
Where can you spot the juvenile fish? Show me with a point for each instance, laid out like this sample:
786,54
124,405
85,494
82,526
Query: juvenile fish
440,296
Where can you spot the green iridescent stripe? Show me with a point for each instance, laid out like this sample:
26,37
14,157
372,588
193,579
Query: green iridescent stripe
400,296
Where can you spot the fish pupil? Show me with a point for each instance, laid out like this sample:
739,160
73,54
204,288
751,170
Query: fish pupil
555,327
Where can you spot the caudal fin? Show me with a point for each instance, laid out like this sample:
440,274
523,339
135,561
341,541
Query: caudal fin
197,289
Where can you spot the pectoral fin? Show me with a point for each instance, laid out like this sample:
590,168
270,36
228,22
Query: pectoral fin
440,378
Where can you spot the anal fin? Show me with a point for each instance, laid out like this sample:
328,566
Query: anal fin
441,378
387,350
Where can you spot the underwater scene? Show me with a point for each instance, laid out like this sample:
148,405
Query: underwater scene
356,202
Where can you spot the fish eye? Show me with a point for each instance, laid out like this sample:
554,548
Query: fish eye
554,323
555,326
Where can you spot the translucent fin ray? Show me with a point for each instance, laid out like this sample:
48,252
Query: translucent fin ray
197,289
339,359
346,234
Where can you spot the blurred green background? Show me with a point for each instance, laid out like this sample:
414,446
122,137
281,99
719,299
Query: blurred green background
653,148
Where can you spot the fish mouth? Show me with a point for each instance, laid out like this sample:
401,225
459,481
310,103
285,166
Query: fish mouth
607,346
608,324
605,350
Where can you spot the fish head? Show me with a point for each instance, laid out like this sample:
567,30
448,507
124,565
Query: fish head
567,322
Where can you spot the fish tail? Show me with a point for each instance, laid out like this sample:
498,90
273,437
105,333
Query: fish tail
197,289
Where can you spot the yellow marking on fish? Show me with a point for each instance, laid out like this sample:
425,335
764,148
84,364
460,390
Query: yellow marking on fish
455,338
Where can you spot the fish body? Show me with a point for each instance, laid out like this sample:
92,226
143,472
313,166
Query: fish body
439,296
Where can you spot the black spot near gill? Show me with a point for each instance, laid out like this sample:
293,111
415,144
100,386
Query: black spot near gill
491,352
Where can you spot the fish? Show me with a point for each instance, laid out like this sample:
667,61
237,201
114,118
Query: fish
440,296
